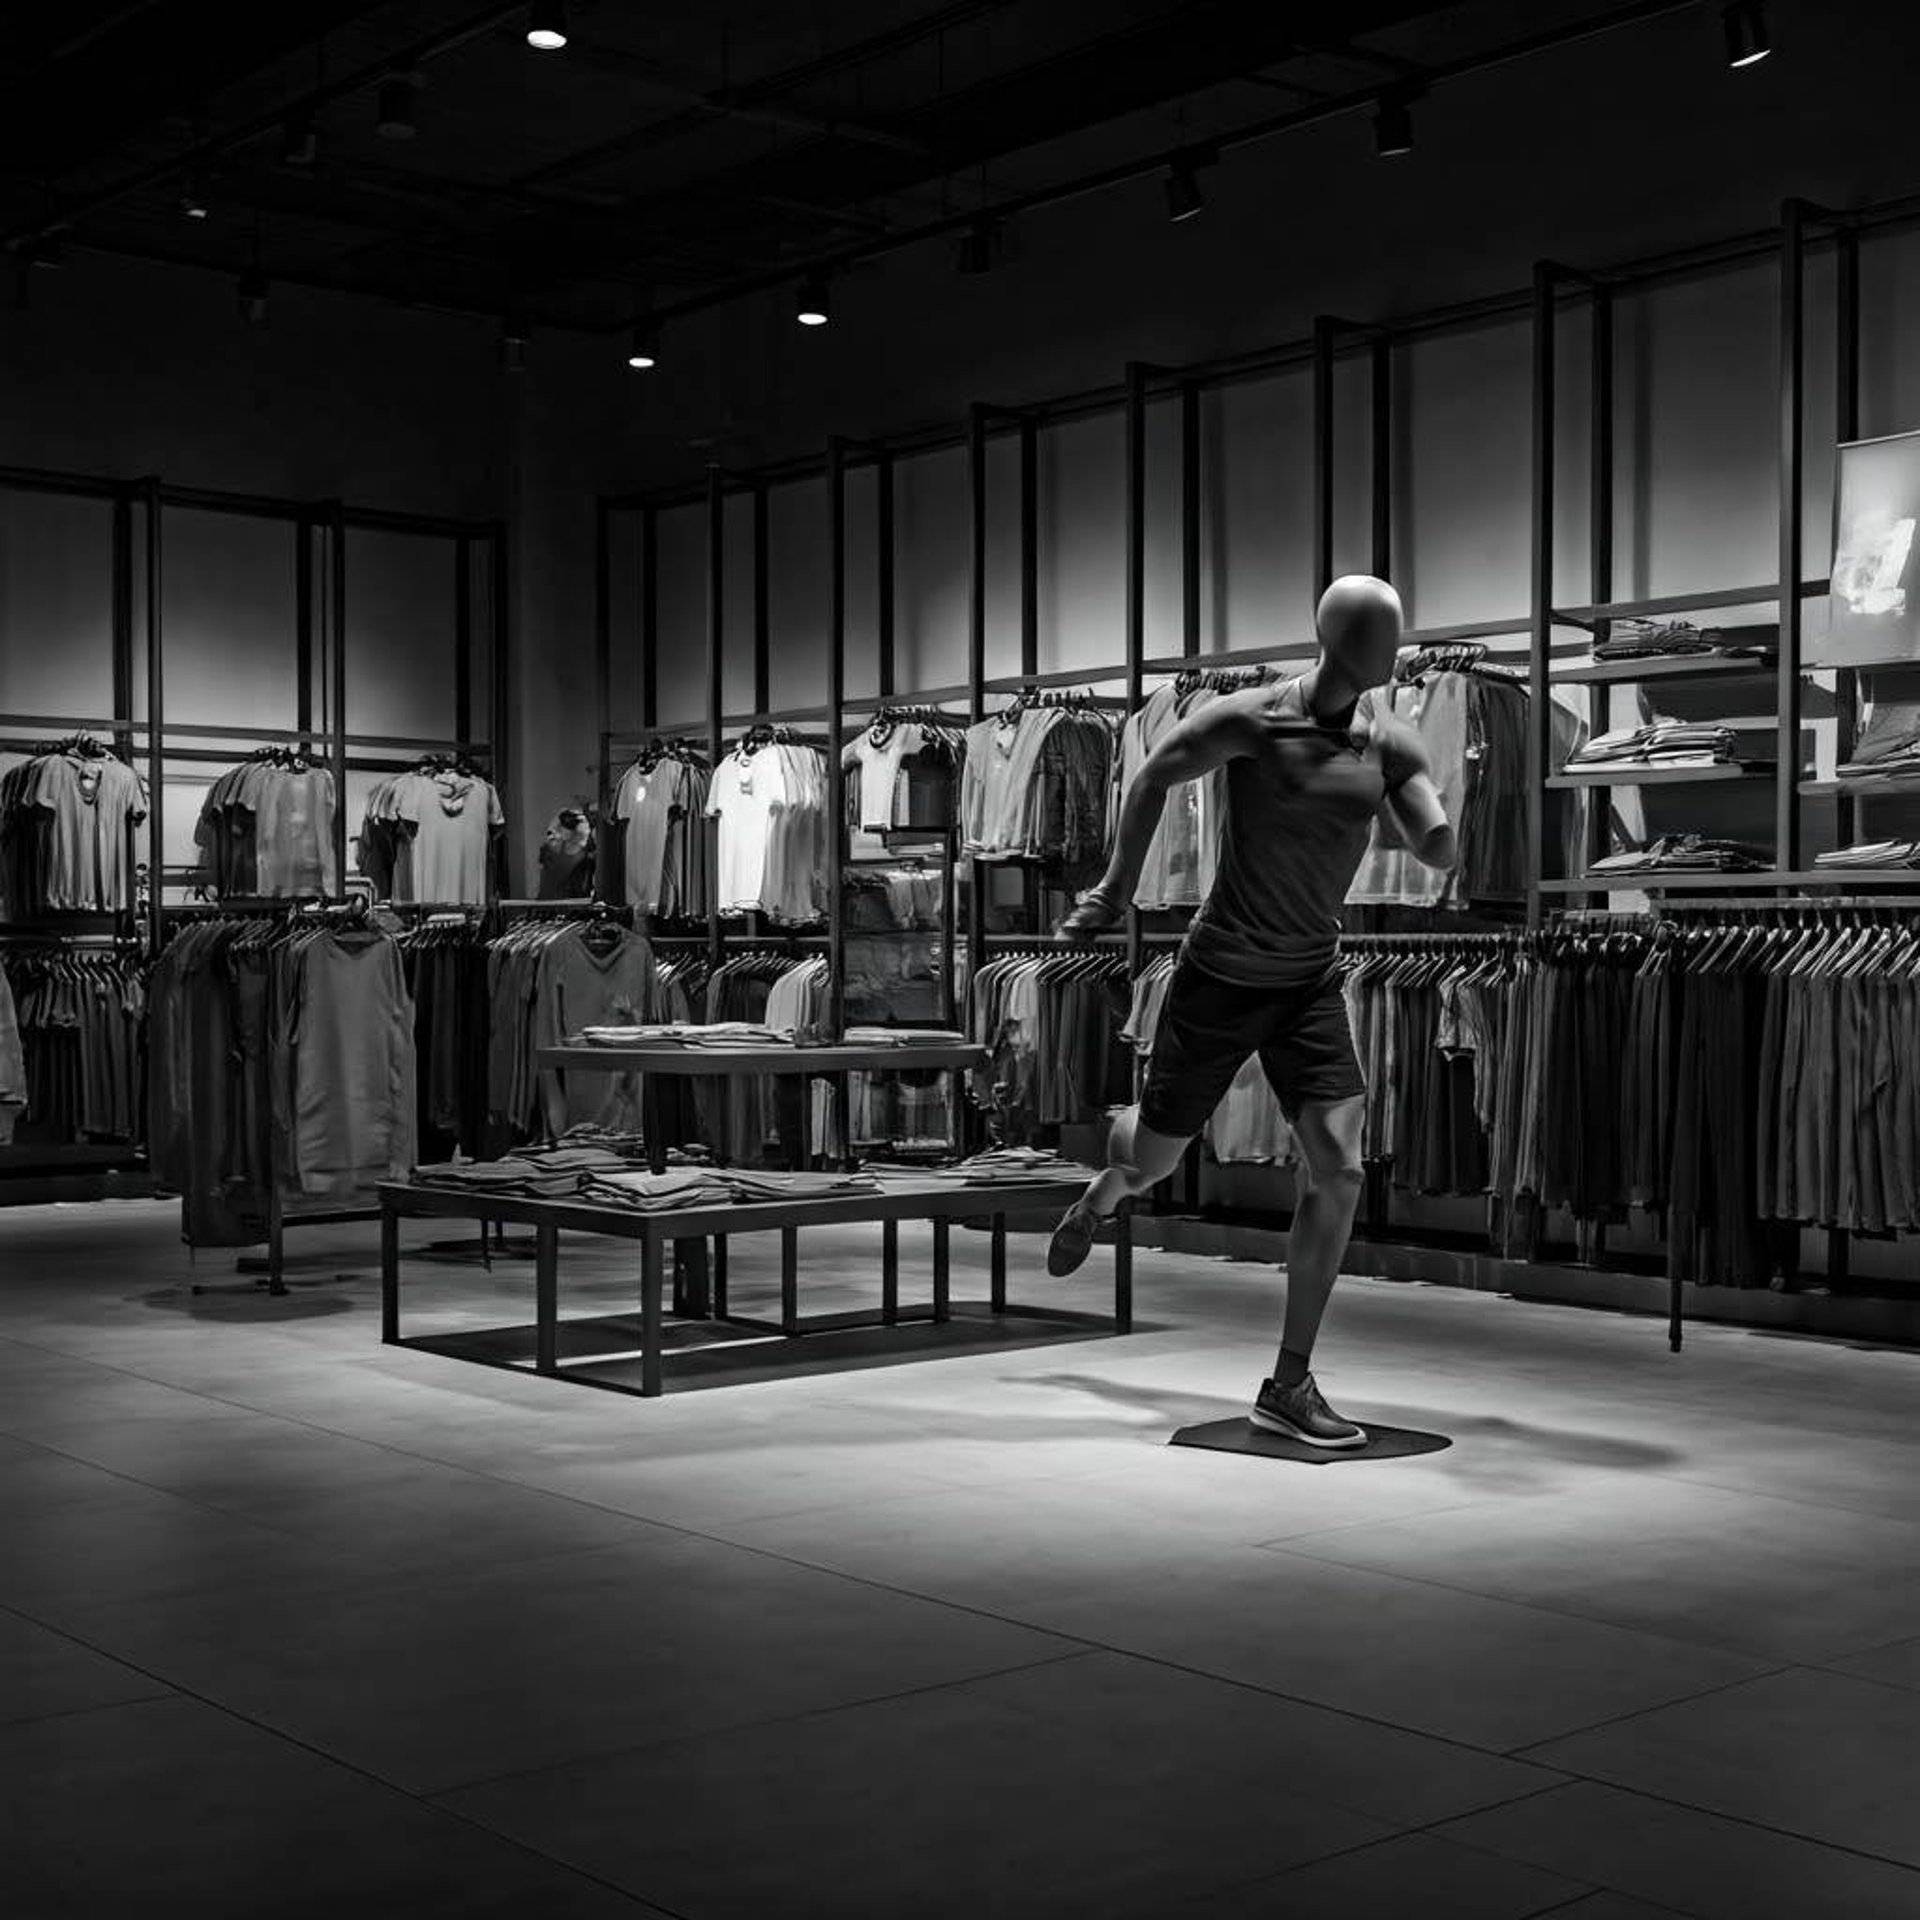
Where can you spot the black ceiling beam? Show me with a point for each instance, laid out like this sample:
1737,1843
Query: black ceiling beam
142,66
1179,52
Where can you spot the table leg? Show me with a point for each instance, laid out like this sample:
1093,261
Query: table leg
652,1264
389,1276
789,1280
546,1299
942,1277
719,1275
1123,1271
890,1273
998,1247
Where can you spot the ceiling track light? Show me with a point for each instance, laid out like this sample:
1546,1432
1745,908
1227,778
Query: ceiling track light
193,201
394,115
1393,126
979,248
811,306
643,346
1184,198
547,25
46,250
1745,25
252,289
513,344
299,142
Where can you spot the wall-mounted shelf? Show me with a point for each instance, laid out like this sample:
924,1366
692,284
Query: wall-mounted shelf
1668,880
1863,789
1686,666
1639,774
1707,601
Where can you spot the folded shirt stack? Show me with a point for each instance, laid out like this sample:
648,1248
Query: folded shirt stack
903,1037
1687,853
1889,745
1872,853
547,1173
649,1036
659,1192
1671,639
719,1034
999,1167
1663,743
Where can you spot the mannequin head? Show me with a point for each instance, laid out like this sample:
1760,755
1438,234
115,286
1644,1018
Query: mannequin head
1359,623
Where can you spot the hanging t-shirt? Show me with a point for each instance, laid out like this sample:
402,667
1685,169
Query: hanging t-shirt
744,794
454,816
293,833
90,801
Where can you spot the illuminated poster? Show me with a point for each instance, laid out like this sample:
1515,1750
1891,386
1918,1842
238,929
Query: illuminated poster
1874,612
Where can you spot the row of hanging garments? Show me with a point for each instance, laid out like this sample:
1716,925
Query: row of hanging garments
72,1044
445,956
1248,1127
654,855
435,835
67,817
265,830
281,1065
770,797
1051,1025
1037,782
894,944
903,771
1472,717
1184,854
549,978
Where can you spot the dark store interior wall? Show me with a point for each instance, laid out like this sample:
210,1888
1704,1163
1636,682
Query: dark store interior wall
1626,145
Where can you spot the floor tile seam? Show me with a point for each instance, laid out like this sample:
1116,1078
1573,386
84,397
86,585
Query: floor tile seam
1398,1833
1574,1905
1751,1825
1280,1542
366,1775
1831,1671
796,1717
149,1486
1641,1713
9,1725
323,1586
1691,1644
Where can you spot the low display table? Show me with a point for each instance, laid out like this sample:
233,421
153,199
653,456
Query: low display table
902,1197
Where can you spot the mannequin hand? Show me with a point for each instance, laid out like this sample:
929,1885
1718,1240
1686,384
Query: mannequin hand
1092,913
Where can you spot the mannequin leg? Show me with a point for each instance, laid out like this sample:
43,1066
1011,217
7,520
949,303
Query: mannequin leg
1137,1160
1329,1136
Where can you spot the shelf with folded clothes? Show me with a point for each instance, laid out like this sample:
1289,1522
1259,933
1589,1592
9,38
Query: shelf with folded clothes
1590,671
1665,606
1651,773
1685,880
1864,786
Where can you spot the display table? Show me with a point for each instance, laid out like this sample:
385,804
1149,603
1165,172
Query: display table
905,1197
674,1061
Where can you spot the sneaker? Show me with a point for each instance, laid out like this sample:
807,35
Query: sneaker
1302,1413
1072,1240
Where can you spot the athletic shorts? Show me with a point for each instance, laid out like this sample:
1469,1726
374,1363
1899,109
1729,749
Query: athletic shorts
1208,1026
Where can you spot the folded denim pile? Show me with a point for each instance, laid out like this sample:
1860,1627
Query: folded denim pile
1702,743
1687,853
1889,745
1872,853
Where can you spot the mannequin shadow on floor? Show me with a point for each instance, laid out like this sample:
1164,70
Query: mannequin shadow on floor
237,1302
1239,1435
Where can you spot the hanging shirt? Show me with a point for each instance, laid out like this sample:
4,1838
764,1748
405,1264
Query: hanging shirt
454,816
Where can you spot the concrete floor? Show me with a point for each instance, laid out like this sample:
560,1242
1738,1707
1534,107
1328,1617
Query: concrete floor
294,1624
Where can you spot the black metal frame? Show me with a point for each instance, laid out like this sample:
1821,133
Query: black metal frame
1553,288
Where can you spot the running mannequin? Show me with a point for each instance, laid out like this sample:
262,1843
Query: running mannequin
1310,764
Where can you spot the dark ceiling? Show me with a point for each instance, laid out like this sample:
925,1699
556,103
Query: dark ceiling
668,156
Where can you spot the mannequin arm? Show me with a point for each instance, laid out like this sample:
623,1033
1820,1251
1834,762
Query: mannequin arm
1411,816
1199,745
